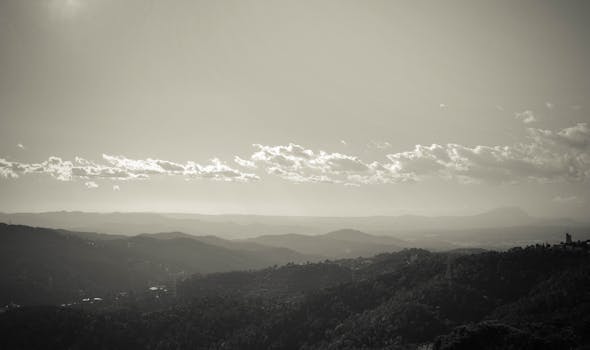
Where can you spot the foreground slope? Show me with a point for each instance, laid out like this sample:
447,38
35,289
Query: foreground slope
532,298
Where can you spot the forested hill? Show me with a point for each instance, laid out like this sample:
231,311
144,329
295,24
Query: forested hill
40,266
531,298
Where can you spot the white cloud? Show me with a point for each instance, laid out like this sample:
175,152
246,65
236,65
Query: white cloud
526,117
245,163
20,145
549,105
79,168
442,105
122,168
545,156
91,184
143,167
10,169
217,170
116,188
298,164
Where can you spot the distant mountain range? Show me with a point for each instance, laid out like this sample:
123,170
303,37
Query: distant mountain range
497,229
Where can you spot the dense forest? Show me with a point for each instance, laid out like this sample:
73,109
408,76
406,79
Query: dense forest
536,297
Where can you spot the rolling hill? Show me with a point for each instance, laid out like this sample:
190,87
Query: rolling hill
41,265
337,244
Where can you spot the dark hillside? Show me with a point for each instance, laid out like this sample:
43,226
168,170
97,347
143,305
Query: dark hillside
531,298
40,266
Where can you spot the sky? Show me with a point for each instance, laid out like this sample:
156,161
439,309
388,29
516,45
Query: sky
317,107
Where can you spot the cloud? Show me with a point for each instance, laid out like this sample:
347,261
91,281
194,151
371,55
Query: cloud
217,170
91,184
120,168
116,188
549,105
10,169
143,167
544,156
526,117
245,163
20,145
547,156
298,164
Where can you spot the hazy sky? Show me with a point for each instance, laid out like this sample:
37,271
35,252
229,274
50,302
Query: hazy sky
295,107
